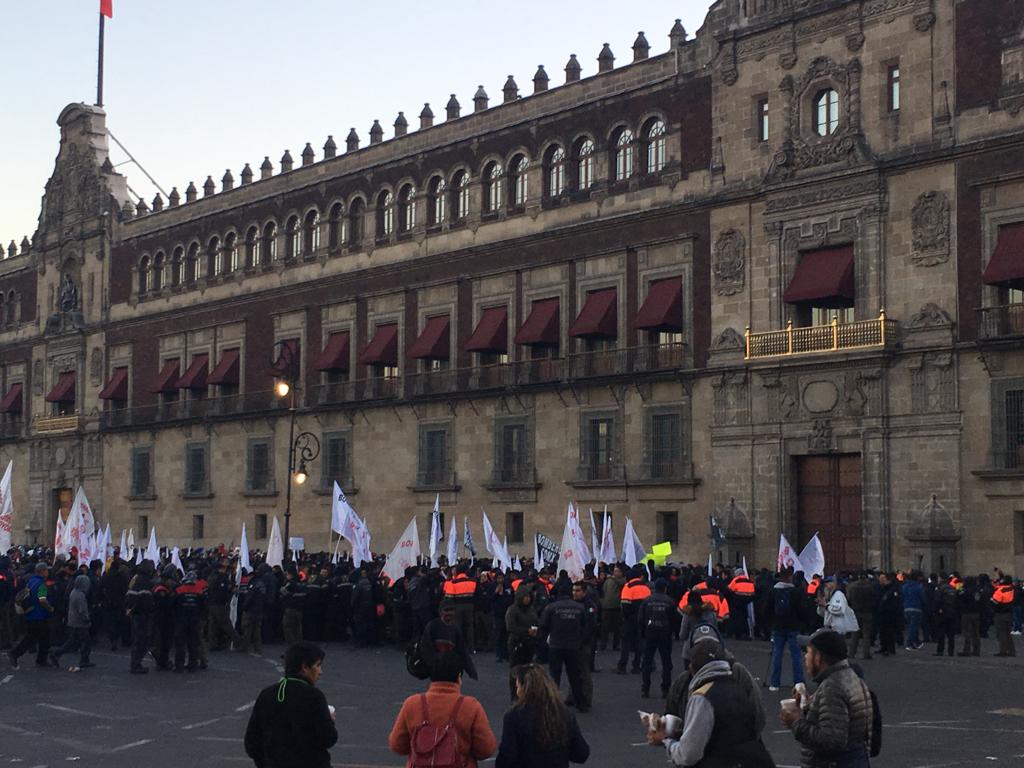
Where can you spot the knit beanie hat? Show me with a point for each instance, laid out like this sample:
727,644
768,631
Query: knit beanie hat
830,643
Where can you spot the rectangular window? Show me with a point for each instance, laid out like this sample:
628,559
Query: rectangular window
599,451
666,451
894,87
260,527
668,527
514,527
196,481
143,531
1014,429
762,120
258,472
335,464
142,475
823,315
434,464
198,527
513,453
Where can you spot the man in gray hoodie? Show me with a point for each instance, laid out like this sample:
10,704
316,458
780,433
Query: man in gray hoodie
78,626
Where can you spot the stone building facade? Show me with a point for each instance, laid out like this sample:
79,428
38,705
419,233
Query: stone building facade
773,274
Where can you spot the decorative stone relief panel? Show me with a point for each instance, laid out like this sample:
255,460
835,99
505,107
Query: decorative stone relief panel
820,439
732,398
730,264
930,224
729,340
933,383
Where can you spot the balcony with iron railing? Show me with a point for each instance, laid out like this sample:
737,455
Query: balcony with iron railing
667,470
513,476
879,333
51,425
190,409
1002,322
435,477
594,470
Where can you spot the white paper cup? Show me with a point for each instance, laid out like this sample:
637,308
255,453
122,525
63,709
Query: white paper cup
789,704
673,725
330,708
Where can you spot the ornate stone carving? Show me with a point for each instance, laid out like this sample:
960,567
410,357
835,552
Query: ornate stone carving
74,192
734,522
727,63
67,298
933,383
820,440
728,340
788,59
854,42
820,396
732,401
829,194
924,21
930,224
37,377
96,366
730,265
930,316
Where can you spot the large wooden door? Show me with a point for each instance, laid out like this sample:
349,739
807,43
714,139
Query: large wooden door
829,503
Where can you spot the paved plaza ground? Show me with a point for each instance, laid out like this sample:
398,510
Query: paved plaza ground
939,712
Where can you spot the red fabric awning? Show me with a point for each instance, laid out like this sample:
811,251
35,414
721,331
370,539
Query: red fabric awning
491,334
599,317
435,341
117,387
1006,267
166,379
335,356
226,371
64,390
12,400
195,376
663,308
823,278
541,328
383,347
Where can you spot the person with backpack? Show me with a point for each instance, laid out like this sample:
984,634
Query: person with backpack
443,728
79,624
539,731
947,617
656,626
785,615
291,725
695,612
32,600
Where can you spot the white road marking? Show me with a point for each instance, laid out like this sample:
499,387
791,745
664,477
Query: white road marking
201,724
134,744
244,707
219,738
83,712
6,679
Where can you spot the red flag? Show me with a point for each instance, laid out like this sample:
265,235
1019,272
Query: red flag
107,8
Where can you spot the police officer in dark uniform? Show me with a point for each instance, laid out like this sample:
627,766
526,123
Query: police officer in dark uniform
139,604
164,594
189,603
565,623
655,623
293,598
218,628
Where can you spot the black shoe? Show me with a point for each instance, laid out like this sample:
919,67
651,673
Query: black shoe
138,670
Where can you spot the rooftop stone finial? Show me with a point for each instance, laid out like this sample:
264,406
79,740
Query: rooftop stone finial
286,162
227,181
606,59
127,211
158,203
330,148
540,80
190,192
26,246
454,109
141,209
678,34
376,133
573,69
352,141
426,117
209,187
174,199
510,90
401,125
246,175
641,48
480,99
107,167
308,155
266,168
12,250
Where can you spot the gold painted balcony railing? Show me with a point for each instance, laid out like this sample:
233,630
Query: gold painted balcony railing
834,337
53,424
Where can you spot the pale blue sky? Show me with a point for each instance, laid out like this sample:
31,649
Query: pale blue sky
197,86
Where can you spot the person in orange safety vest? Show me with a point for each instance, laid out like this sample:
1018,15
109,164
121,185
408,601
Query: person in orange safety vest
461,591
634,593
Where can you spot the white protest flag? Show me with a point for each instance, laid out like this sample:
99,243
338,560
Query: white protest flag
124,544
710,566
152,549
69,532
85,524
334,557
275,546
339,510
176,560
577,532
507,563
405,553
632,550
571,558
436,534
138,556
60,538
345,521
453,543
517,565
787,556
108,548
745,571
491,542
607,554
131,539
813,558
6,509
243,552
595,550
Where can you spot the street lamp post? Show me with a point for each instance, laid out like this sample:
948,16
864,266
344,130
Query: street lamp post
304,447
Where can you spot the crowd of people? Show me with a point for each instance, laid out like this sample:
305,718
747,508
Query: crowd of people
544,624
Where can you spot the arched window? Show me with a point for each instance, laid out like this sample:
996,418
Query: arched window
268,252
214,262
385,214
623,154
144,275
291,238
554,168
407,209
584,163
355,222
437,201
311,233
159,264
519,181
230,252
192,264
460,196
252,247
493,178
12,312
335,225
826,112
654,137
178,266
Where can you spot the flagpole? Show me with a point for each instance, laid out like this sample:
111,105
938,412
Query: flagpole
99,67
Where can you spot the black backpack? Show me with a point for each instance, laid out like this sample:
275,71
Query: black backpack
875,747
415,664
782,602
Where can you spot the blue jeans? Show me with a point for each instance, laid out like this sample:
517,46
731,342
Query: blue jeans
1018,617
913,619
780,639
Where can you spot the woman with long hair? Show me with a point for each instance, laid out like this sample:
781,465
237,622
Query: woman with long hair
539,731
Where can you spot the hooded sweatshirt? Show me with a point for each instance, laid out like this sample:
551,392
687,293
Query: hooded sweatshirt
78,604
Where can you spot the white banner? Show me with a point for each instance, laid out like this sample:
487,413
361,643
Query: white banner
787,556
571,559
345,521
813,558
632,550
152,549
453,543
6,509
492,543
85,525
607,541
405,554
275,546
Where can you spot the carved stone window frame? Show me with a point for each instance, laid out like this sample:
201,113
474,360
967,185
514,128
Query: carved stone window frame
991,220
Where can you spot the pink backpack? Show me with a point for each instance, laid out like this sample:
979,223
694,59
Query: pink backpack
436,746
